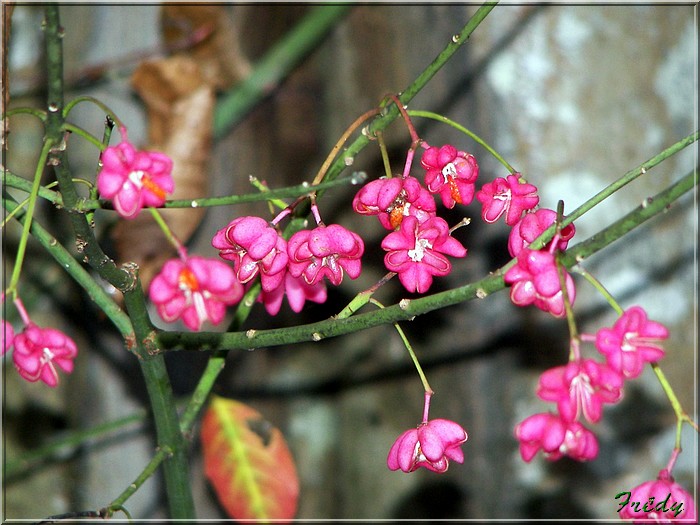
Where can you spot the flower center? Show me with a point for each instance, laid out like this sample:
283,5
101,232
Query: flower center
449,172
143,180
418,252
48,355
187,280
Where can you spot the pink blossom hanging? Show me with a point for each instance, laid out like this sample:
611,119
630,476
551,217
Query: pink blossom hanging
508,197
531,226
535,280
133,179
555,437
432,445
632,342
326,251
38,351
196,290
451,173
255,248
416,252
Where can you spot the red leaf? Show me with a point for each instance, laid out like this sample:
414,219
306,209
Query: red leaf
247,462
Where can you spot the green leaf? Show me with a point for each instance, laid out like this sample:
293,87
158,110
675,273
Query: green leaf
248,463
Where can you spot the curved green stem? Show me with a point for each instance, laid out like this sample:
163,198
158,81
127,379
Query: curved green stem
38,113
72,128
101,298
469,133
21,249
599,286
87,98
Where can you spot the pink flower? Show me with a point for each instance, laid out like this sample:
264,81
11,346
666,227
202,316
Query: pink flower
633,341
580,387
297,290
430,445
531,226
451,173
39,350
506,196
134,179
555,437
535,280
393,199
661,500
328,251
255,248
416,252
8,335
196,290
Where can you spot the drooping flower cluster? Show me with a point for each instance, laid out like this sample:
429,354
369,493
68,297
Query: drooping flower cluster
133,179
420,240
296,268
37,352
581,388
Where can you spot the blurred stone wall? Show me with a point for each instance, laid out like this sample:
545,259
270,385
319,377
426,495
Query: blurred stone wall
572,96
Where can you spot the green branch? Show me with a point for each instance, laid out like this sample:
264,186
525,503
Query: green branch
406,310
276,65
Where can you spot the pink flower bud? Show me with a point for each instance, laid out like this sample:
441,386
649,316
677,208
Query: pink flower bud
38,351
134,179
633,341
196,290
451,173
431,445
326,251
416,252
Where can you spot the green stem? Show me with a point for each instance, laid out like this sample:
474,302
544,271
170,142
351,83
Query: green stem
216,363
599,286
681,415
126,280
118,503
86,98
70,441
72,128
392,112
21,249
275,65
409,347
408,309
474,136
103,300
163,407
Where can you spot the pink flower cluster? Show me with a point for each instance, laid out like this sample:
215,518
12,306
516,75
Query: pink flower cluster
420,241
296,268
581,388
198,289
36,351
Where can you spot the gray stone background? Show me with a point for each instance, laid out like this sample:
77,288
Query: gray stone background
573,96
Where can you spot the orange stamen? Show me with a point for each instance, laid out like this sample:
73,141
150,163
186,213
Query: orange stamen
188,279
153,187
